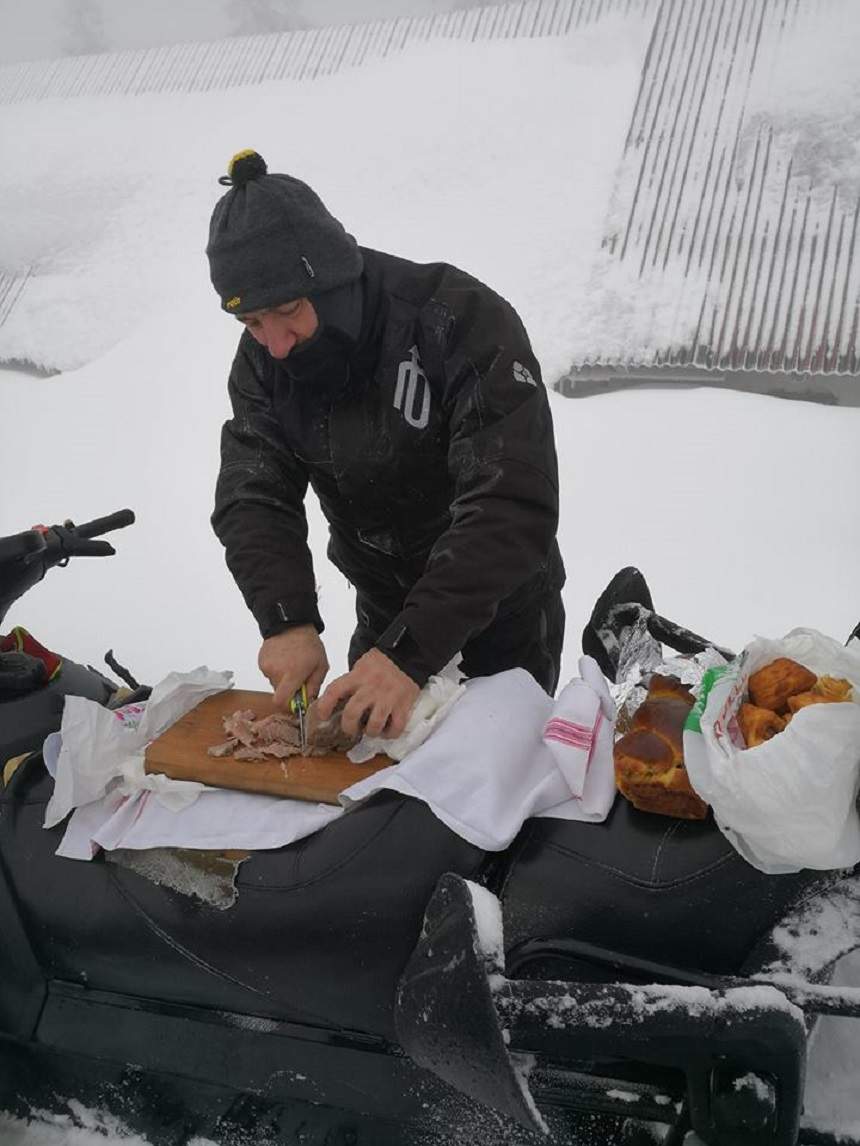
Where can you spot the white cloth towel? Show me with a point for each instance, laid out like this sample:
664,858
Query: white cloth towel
579,730
441,691
486,768
218,820
483,771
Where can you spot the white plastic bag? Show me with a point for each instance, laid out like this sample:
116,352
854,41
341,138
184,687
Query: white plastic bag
789,803
100,747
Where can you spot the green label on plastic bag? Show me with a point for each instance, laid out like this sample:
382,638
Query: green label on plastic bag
693,723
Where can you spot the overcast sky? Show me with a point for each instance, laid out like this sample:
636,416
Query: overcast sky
43,29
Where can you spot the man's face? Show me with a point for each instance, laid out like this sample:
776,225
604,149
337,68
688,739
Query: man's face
281,328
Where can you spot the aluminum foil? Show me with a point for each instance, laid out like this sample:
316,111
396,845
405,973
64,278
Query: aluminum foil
643,656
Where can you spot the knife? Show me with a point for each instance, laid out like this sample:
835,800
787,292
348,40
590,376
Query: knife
299,707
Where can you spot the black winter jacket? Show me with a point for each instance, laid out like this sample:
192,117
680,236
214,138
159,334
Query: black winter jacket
433,459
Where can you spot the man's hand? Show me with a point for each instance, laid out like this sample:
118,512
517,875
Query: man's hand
290,659
376,687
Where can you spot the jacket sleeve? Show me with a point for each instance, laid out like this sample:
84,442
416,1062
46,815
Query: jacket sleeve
503,471
259,514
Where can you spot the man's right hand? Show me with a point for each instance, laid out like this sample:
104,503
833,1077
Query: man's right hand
291,659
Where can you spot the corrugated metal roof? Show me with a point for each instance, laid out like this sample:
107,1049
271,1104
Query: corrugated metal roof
767,256
293,55
11,288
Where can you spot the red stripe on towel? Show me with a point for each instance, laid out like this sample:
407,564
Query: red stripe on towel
574,735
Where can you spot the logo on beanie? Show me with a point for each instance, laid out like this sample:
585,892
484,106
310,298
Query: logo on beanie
233,302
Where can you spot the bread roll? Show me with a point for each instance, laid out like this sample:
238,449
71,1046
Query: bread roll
772,685
649,760
815,696
758,724
833,688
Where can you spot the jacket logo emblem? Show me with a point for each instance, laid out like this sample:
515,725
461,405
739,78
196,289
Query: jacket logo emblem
522,374
412,392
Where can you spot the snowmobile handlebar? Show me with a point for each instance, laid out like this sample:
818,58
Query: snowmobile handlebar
100,525
26,557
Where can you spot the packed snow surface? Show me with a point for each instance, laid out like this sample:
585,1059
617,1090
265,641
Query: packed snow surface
488,923
111,195
742,511
80,1127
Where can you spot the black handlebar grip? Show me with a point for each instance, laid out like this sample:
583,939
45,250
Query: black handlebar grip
95,528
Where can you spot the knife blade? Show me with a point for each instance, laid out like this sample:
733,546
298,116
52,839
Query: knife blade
299,705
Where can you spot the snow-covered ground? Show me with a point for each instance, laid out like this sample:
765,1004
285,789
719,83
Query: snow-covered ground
80,1127
741,510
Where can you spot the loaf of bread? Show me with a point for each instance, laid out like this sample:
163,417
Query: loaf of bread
649,759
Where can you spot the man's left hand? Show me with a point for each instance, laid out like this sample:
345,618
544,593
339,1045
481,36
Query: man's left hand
376,689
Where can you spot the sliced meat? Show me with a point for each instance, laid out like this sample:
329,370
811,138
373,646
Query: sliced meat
249,754
239,726
278,728
224,749
281,750
327,735
267,751
278,735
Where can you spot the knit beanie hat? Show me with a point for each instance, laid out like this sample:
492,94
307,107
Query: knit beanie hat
271,240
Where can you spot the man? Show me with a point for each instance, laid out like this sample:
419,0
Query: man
408,396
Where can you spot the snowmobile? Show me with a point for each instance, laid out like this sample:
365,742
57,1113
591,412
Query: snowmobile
385,982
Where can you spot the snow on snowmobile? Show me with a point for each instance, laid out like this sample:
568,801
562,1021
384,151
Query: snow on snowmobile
384,981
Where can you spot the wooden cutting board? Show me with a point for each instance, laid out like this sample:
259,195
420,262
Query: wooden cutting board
181,753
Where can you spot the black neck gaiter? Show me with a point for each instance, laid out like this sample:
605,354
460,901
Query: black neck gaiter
324,360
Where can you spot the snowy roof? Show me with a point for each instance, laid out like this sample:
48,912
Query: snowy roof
712,207
733,231
301,54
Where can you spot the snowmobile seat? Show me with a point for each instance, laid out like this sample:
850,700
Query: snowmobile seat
657,888
318,933
321,929
307,960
